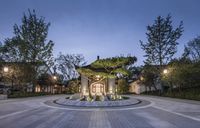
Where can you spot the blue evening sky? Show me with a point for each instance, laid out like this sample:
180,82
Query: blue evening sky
102,27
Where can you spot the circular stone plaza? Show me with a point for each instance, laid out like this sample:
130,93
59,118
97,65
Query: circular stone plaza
130,103
135,112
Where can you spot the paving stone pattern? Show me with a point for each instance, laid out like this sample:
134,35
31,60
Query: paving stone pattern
34,114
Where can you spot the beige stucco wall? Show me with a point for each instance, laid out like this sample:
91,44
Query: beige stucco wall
137,88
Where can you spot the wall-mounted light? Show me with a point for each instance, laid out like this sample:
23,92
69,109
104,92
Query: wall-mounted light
97,77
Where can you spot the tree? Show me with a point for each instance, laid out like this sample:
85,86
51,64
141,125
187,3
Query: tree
19,74
45,80
10,51
192,49
135,71
1,54
73,86
182,74
162,41
33,33
149,76
29,43
67,64
122,86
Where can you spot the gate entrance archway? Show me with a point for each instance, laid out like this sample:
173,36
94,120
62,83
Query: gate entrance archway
97,89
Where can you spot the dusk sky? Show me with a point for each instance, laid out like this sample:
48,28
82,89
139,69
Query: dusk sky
102,27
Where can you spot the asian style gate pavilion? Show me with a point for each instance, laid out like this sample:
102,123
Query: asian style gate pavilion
99,77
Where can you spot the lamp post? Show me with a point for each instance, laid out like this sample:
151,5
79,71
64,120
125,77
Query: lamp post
54,81
141,78
165,72
5,70
168,73
162,72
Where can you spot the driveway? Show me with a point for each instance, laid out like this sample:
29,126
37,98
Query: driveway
160,113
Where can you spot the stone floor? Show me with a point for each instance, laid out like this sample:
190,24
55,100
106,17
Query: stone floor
160,113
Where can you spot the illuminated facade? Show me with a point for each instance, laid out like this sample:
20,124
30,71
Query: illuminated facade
97,87
99,77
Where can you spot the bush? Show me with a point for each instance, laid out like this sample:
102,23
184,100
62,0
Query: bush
122,87
125,98
187,93
72,87
184,93
98,98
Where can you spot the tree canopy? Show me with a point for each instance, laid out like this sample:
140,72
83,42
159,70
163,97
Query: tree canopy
192,49
162,41
29,43
66,64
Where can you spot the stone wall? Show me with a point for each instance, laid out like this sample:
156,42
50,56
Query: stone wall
84,85
111,85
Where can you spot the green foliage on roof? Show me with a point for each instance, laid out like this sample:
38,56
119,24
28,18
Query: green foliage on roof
122,71
92,73
113,62
108,68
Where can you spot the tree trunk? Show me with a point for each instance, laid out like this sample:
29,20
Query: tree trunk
155,87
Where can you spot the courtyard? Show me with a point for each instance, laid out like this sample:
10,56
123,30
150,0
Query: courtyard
152,112
99,64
